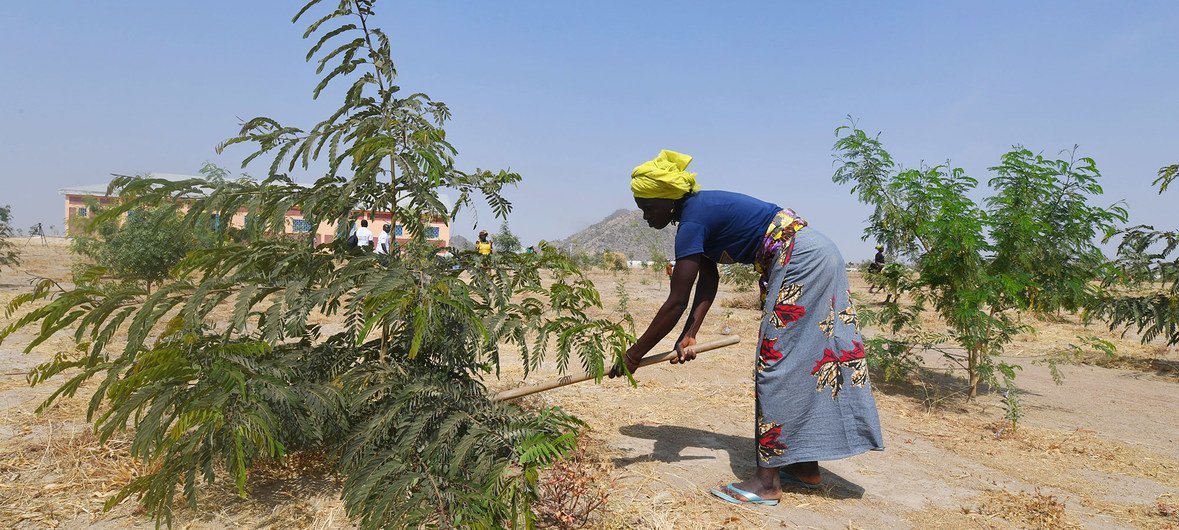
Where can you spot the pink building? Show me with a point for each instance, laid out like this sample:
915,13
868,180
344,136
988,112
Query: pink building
78,198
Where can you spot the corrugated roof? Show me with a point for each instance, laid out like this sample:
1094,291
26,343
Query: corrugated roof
100,189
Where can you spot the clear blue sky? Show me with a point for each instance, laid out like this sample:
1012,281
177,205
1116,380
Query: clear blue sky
573,94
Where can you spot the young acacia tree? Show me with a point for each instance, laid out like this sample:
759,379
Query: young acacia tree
143,246
1142,289
251,350
8,254
505,240
1029,247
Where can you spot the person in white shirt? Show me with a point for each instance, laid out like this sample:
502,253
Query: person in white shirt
364,236
383,239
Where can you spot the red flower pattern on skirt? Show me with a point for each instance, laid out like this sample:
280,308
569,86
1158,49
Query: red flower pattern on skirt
769,443
787,313
768,354
828,369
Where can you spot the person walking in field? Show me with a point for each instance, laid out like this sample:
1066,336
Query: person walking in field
483,245
813,398
875,268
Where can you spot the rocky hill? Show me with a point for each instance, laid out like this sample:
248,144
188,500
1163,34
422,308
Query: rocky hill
461,243
623,231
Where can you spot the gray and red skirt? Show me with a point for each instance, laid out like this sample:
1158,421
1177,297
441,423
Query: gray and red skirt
814,401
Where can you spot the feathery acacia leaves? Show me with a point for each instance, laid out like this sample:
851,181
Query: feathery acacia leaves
225,364
8,255
1141,290
1030,247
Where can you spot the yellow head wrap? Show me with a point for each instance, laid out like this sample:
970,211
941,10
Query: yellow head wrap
664,177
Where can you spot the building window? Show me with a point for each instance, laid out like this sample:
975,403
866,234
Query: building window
432,232
398,230
82,212
301,225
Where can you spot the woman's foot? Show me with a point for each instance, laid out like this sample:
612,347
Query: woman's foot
764,484
805,472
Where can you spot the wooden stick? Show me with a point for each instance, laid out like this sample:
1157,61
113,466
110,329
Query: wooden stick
522,391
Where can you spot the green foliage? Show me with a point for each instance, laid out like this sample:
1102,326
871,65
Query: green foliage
623,296
1028,247
224,365
9,257
584,260
1089,347
743,276
613,261
659,263
144,246
1141,290
505,240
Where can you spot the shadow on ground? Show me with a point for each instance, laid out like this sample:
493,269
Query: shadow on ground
671,440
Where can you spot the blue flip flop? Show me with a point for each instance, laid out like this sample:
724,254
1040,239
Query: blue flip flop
750,497
788,479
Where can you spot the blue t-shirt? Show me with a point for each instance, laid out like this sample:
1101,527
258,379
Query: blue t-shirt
726,227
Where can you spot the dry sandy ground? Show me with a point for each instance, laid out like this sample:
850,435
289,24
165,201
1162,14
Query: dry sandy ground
1097,451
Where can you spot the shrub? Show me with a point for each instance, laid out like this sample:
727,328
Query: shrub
224,367
1030,246
743,276
9,257
143,246
613,261
1141,290
505,240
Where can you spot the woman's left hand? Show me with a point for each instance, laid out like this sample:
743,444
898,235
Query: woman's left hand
632,364
684,350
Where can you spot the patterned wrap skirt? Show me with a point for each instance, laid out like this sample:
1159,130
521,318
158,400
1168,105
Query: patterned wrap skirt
814,401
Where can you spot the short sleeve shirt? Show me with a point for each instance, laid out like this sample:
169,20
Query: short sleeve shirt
726,227
382,242
364,237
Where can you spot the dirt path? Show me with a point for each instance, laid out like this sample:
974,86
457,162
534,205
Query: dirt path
1095,452
1098,447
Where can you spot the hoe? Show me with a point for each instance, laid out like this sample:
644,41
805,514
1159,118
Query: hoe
522,391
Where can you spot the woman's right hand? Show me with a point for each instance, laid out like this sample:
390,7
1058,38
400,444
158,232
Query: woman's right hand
684,350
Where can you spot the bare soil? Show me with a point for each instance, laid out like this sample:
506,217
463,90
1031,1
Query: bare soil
1097,451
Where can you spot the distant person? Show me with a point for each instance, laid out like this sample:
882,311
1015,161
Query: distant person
383,239
483,245
364,236
812,397
875,267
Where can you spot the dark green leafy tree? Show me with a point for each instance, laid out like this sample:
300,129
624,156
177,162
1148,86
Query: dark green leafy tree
143,246
9,257
505,240
225,365
1141,291
1029,247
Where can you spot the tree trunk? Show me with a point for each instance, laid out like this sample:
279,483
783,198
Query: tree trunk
972,371
384,342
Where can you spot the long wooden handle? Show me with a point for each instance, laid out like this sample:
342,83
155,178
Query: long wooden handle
522,391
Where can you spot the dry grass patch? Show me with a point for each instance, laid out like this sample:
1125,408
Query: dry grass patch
1028,510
